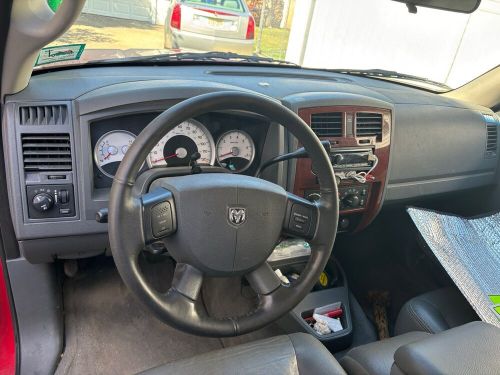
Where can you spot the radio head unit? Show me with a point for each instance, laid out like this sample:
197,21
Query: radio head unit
352,159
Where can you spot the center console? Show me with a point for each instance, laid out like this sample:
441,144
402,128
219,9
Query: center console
360,137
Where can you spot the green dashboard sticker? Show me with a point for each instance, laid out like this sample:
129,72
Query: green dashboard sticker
54,54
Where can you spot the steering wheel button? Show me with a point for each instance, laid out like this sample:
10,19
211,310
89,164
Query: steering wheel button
299,219
161,219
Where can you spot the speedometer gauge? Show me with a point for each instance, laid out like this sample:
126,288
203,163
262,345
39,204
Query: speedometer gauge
178,145
110,150
235,151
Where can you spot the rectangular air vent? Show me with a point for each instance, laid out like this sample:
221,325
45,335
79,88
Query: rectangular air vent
43,114
327,124
491,134
46,152
369,125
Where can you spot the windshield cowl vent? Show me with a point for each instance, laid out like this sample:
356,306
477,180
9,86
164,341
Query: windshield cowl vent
46,152
327,124
43,115
369,125
491,135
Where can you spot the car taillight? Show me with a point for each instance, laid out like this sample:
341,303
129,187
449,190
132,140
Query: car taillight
175,21
250,28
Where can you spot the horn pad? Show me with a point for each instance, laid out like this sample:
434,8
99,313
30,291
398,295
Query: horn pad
227,224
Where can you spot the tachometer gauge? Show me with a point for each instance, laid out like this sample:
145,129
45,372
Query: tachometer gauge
235,151
110,150
178,145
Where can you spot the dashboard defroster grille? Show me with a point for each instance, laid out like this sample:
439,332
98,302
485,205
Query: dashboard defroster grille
43,114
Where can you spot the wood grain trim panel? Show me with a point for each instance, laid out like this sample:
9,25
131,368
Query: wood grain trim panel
305,180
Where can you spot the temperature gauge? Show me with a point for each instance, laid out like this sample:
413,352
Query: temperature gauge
110,150
235,151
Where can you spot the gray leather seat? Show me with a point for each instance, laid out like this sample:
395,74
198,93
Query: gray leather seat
377,357
469,349
298,353
434,312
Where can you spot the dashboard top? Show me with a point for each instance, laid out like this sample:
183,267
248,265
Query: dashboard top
277,82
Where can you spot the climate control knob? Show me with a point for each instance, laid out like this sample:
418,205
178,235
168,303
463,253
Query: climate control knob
42,202
351,200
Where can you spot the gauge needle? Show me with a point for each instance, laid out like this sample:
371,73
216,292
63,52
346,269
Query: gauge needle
226,154
107,156
165,158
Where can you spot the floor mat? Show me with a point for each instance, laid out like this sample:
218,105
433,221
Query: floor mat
109,332
386,256
469,251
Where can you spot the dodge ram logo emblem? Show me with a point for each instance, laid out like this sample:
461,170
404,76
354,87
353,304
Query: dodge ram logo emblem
237,215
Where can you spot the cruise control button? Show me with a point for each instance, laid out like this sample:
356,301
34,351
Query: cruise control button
299,219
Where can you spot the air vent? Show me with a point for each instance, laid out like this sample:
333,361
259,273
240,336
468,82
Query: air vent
491,135
43,115
46,152
369,125
327,124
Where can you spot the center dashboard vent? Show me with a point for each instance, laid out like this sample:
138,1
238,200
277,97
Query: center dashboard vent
43,114
46,152
491,134
369,125
327,124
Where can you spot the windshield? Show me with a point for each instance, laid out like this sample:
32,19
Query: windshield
448,49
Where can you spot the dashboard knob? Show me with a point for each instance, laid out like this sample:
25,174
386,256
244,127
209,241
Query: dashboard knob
351,200
337,159
313,197
42,202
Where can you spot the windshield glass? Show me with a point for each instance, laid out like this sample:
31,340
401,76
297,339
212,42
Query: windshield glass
378,35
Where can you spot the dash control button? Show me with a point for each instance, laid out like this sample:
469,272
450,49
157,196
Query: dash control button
161,219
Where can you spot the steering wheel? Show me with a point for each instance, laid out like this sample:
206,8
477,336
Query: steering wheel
219,224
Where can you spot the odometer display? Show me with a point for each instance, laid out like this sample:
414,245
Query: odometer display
178,146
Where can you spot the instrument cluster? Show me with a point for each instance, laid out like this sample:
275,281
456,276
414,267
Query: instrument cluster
227,146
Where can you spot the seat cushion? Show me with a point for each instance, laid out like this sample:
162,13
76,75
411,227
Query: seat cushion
377,357
298,353
469,349
434,312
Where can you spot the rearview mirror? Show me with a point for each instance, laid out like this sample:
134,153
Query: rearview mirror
460,6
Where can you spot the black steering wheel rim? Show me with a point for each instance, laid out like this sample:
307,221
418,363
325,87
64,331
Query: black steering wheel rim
177,307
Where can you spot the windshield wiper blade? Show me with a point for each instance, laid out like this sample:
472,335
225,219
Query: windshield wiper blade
382,73
198,57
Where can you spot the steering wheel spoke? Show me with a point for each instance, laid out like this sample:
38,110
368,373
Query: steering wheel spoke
263,280
301,218
187,281
158,215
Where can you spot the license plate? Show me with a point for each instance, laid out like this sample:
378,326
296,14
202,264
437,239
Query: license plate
214,22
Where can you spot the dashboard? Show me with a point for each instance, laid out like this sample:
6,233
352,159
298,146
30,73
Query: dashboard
66,133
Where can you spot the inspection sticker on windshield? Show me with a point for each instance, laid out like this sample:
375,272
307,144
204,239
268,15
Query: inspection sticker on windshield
49,55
